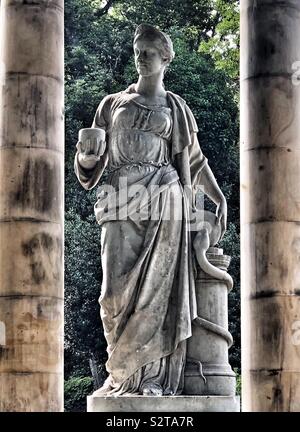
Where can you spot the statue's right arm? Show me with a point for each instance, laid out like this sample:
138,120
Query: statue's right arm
90,176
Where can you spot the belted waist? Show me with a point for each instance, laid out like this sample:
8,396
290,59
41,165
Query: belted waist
137,136
138,164
137,150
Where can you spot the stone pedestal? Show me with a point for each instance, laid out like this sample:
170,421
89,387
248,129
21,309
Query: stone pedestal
163,404
207,370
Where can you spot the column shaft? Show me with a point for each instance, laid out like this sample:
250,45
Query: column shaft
270,205
31,205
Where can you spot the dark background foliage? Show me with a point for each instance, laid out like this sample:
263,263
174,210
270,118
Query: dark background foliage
99,61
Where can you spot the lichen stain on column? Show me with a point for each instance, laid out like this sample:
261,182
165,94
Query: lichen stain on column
38,188
44,254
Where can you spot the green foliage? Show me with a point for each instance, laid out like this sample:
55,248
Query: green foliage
98,61
194,17
238,382
208,93
83,331
76,391
223,45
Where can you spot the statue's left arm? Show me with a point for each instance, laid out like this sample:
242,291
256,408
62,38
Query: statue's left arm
202,175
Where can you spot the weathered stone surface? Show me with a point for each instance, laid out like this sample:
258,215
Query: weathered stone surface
31,184
207,370
163,404
277,341
271,117
215,385
34,334
275,259
270,388
270,181
31,392
32,122
31,205
38,41
270,33
42,3
270,204
38,251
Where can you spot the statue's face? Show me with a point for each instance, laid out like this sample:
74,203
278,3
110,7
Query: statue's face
148,60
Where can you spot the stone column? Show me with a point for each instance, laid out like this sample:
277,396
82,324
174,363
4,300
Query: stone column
31,206
208,371
270,204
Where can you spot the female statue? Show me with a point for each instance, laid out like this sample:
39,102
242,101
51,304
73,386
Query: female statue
147,296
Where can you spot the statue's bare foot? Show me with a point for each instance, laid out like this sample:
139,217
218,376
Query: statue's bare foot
169,392
152,389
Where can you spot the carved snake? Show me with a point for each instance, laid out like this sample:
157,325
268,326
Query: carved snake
208,234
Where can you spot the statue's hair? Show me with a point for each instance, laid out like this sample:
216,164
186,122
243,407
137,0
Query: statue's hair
161,40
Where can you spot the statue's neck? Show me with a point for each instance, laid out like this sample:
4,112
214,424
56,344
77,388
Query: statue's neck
150,86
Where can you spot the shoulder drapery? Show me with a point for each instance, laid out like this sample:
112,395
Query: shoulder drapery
186,153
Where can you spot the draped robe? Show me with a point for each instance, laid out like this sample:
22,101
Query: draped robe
147,310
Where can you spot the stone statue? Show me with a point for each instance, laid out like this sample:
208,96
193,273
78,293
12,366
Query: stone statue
146,139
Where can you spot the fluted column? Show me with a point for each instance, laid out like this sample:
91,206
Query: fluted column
270,204
31,205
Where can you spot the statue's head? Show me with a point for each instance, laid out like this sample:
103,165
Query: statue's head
153,50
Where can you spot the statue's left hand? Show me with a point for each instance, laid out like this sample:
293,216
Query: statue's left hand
221,214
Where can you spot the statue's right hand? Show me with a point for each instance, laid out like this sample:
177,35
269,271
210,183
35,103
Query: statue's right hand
90,152
90,146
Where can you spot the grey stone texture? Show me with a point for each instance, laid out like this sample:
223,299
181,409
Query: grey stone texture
31,210
270,198
170,404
